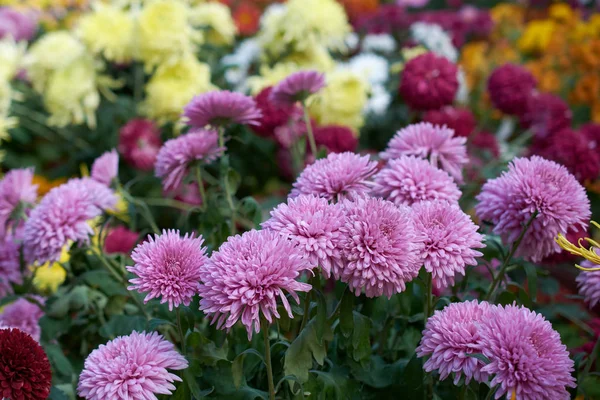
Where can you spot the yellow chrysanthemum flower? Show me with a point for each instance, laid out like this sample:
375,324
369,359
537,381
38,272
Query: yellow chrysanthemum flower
561,12
108,31
342,100
164,33
173,86
11,55
121,208
317,58
49,276
537,36
217,19
53,51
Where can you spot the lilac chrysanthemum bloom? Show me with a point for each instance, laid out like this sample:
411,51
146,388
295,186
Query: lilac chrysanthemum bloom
16,189
61,217
534,185
176,155
106,167
527,359
131,367
408,180
432,142
451,240
167,267
221,108
339,176
24,315
297,87
588,283
449,337
101,195
247,274
9,266
313,225
380,246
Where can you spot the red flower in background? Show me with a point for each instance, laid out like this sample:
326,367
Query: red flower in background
545,114
337,139
247,17
510,87
359,8
120,240
24,368
272,116
139,143
461,120
486,141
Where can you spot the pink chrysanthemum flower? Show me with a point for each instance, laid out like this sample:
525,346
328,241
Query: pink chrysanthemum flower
221,108
432,142
24,315
297,87
101,195
451,240
247,274
167,267
527,359
588,283
106,167
409,180
449,337
340,175
176,156
530,185
380,246
16,188
62,216
313,225
131,367
9,266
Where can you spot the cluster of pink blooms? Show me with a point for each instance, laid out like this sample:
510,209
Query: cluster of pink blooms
526,356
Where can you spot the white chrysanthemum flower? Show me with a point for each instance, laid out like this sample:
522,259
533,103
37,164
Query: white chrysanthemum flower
462,94
435,39
373,68
239,62
379,100
382,43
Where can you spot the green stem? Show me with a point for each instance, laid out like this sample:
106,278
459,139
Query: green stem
165,203
490,393
498,278
463,392
305,317
201,187
311,136
591,359
180,329
265,329
224,170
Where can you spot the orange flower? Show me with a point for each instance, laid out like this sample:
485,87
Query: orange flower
44,184
357,8
587,89
595,111
247,17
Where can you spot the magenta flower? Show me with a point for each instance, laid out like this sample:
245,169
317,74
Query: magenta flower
510,87
530,185
176,156
297,87
409,180
106,167
221,108
61,217
451,240
380,246
131,367
10,272
24,315
16,189
432,142
168,267
588,283
314,226
120,240
527,358
17,24
450,336
340,175
247,275
139,143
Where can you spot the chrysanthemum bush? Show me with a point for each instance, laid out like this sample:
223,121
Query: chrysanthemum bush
318,211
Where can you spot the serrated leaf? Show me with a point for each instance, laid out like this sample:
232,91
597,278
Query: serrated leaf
306,347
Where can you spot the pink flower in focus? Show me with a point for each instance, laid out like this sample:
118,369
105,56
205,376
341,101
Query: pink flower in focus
530,185
297,87
450,336
167,267
131,367
176,156
120,240
247,275
409,180
510,87
106,167
139,143
16,189
221,108
432,142
429,82
460,120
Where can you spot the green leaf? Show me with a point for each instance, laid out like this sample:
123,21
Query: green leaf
205,350
192,384
413,377
156,322
532,285
346,314
299,356
103,280
119,325
237,366
233,181
480,357
57,359
57,394
250,209
361,340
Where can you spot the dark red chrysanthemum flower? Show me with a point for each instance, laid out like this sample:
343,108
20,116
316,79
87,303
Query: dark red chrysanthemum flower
272,116
336,138
486,141
24,367
429,82
461,120
510,86
592,133
545,114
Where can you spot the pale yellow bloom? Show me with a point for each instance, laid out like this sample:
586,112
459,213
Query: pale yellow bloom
217,19
580,250
49,276
342,100
173,86
109,31
537,36
164,33
121,208
561,12
317,58
11,55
